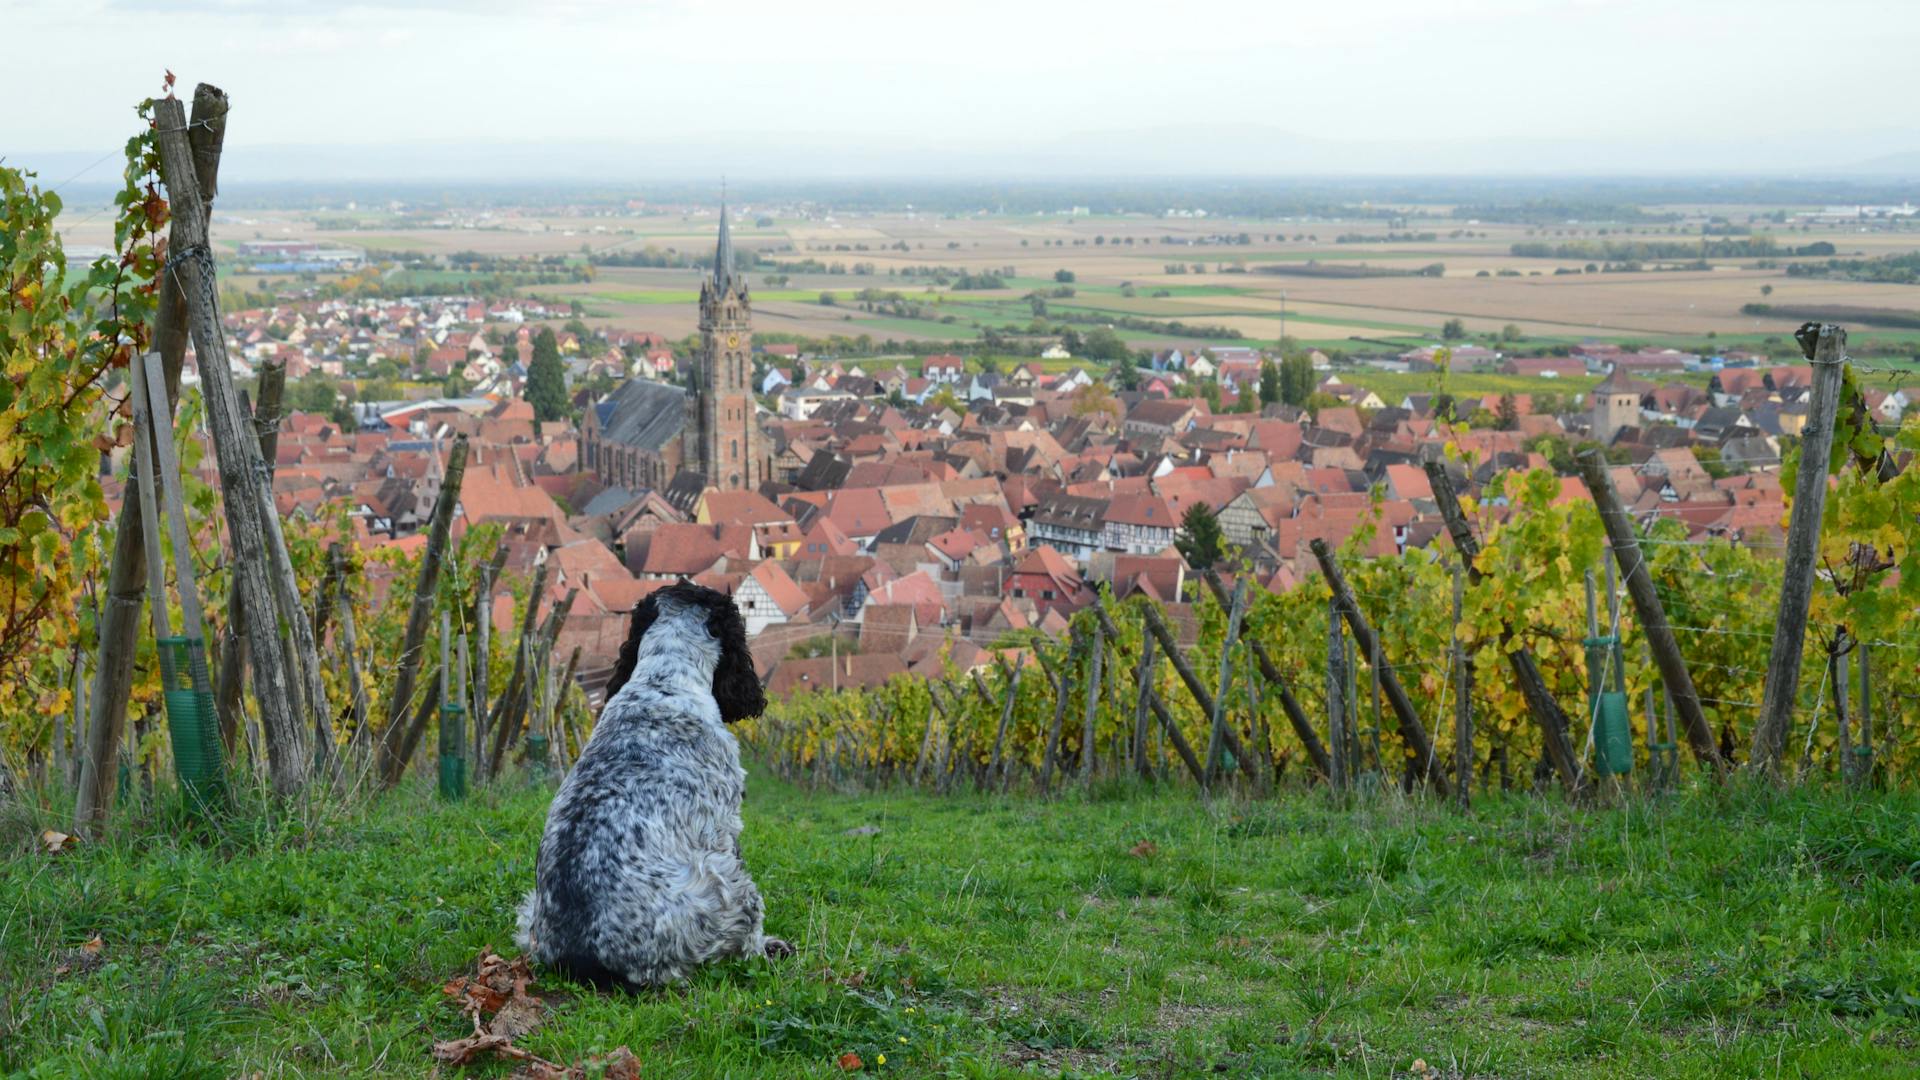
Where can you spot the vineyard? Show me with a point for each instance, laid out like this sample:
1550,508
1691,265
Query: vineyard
1278,688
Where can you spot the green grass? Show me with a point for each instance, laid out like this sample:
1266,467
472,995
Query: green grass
1716,934
692,296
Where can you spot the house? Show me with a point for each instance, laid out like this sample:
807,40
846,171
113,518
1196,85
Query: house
769,596
944,369
1140,524
1045,577
1068,523
1157,418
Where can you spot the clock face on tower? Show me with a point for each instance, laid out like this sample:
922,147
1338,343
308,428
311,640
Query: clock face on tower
733,340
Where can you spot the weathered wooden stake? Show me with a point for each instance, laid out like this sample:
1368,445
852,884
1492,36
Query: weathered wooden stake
1141,763
1540,701
1825,345
97,743
1235,613
1462,702
1201,695
233,640
1625,542
1096,656
419,611
1336,694
1411,730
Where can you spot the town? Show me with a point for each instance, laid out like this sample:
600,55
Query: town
874,516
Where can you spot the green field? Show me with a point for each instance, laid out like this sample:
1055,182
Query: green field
1735,934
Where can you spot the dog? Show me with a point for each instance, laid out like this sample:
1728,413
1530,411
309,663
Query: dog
639,878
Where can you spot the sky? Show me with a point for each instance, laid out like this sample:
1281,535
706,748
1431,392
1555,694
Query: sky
578,89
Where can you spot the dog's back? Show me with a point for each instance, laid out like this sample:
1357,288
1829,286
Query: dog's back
639,873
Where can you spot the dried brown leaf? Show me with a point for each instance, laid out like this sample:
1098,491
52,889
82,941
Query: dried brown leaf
1145,849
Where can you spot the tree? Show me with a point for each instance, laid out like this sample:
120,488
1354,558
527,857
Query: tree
944,398
1296,380
1510,332
1124,374
1200,540
547,378
1270,383
1453,330
1508,416
1102,343
312,394
1064,277
1766,290
1094,399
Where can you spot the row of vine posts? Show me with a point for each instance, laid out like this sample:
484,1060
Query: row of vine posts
847,738
271,638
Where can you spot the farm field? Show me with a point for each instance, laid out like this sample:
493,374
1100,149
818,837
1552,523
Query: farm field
1122,264
1743,932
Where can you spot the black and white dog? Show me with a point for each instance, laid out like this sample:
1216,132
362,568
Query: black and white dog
639,876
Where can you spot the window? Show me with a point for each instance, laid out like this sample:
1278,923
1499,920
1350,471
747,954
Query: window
1046,594
1019,593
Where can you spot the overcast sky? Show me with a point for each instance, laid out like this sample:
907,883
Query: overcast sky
1037,86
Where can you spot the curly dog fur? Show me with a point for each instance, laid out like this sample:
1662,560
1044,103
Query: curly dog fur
639,877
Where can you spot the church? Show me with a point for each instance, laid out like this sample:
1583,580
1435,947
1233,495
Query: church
654,435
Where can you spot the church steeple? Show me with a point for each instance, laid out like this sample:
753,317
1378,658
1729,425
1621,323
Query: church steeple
723,435
723,254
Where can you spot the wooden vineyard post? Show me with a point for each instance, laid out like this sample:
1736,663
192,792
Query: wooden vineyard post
233,641
261,569
1411,730
501,706
361,741
419,611
1540,701
97,743
1336,695
1167,723
1218,725
1462,703
1825,345
1627,553
1201,695
1095,655
1861,760
1056,675
1000,733
1837,667
1141,763
483,628
1296,716
540,651
941,760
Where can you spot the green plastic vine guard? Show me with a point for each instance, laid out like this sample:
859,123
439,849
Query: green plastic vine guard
192,724
453,766
1612,729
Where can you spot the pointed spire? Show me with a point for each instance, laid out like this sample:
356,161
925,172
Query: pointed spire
723,253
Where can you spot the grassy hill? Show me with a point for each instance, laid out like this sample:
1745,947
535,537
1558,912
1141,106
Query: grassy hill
1134,934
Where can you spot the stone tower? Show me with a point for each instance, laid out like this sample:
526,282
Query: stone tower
722,436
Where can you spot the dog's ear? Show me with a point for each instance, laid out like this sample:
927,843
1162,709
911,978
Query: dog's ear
643,616
736,686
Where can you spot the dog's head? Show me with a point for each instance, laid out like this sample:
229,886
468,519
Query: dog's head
736,688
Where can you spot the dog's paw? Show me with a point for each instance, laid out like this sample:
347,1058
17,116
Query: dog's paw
776,949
